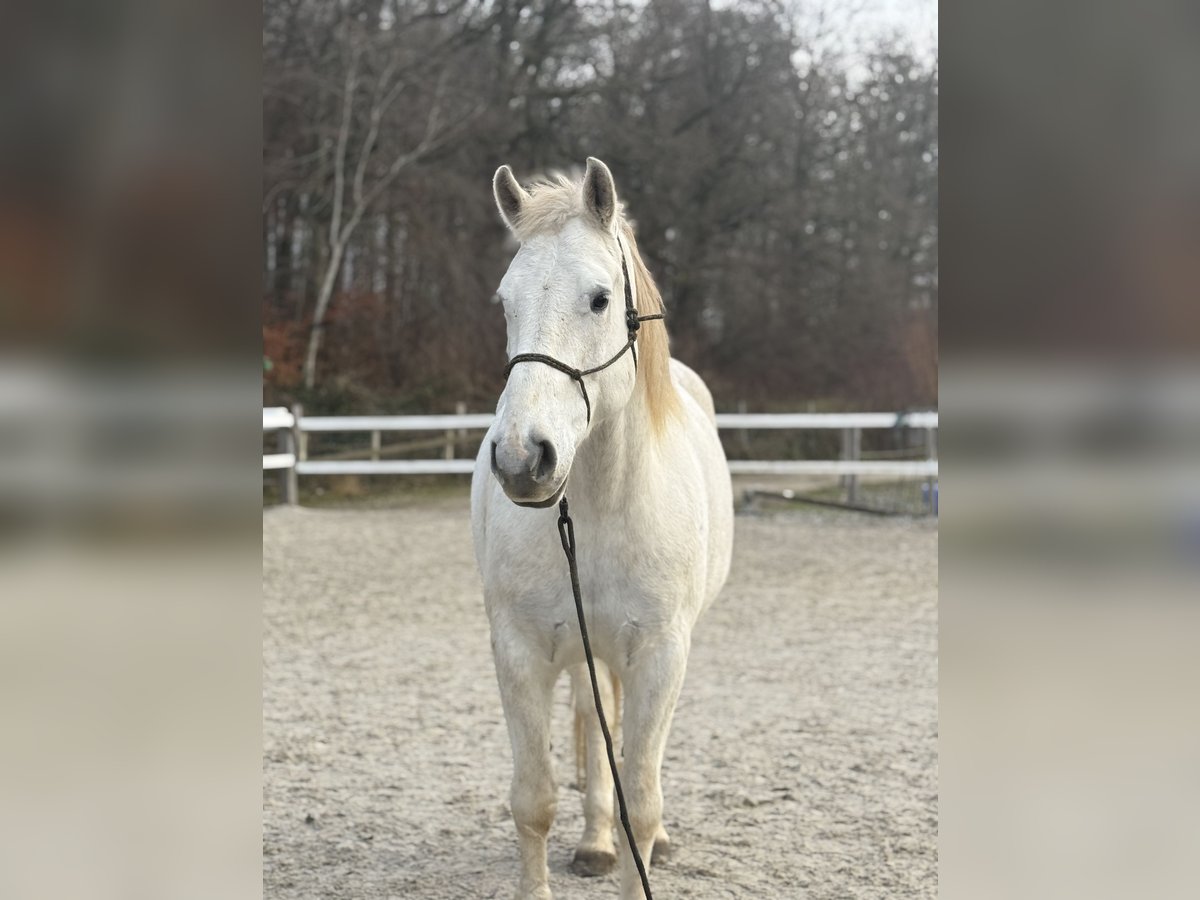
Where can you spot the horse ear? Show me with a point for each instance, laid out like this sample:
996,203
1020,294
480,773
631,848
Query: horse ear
509,195
599,191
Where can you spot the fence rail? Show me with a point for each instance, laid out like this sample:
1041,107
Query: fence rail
277,417
386,467
921,468
292,426
474,421
481,421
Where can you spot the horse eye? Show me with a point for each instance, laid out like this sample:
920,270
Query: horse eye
600,302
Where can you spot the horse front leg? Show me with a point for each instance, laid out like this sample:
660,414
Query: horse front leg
651,682
596,854
526,690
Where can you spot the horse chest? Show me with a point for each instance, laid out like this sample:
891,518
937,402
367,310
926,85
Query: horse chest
623,603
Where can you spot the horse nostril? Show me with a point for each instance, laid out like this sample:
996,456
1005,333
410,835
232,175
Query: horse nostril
495,467
547,461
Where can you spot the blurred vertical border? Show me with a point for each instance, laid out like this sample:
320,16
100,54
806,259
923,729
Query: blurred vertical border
130,387
130,372
1070,402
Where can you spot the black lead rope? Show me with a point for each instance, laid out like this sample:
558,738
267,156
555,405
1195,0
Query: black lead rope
632,323
566,533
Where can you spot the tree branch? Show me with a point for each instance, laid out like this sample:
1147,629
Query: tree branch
343,139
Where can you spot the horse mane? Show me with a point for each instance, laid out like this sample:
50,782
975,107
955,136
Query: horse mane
555,200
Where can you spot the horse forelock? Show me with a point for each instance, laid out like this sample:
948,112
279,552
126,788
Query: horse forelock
553,201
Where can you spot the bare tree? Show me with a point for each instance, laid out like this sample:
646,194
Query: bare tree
352,195
784,186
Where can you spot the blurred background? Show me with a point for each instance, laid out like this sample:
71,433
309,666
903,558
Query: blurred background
1070,554
779,159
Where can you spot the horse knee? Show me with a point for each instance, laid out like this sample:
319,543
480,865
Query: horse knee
645,816
533,810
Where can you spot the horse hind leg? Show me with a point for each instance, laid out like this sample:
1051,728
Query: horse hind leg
662,846
596,853
580,734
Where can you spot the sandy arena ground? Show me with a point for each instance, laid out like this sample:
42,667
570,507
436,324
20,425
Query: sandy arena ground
802,761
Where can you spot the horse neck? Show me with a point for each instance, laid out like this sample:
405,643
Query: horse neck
612,462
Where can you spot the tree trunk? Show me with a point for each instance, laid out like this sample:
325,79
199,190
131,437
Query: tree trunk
316,330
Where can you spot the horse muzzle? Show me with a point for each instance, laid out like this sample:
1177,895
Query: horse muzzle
527,469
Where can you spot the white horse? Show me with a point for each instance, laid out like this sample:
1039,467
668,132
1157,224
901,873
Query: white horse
651,500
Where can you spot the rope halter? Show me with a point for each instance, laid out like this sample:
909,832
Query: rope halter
633,322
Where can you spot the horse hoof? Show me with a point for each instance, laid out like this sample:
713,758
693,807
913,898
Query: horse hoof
661,852
592,863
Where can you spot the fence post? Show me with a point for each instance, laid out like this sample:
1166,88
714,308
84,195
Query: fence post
851,450
460,409
376,444
301,437
289,490
743,435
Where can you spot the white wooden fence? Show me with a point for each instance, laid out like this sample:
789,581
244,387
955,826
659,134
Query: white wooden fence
291,459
